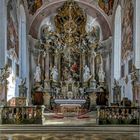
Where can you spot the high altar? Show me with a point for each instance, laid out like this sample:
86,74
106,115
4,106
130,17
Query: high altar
69,63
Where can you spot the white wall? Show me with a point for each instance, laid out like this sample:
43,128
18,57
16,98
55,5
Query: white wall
137,34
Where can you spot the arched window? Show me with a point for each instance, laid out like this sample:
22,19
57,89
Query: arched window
117,44
137,34
22,43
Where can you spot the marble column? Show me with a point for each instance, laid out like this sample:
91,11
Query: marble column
83,62
57,63
59,67
47,72
1,108
47,66
92,68
92,64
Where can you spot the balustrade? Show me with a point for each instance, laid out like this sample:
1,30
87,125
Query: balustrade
21,115
118,115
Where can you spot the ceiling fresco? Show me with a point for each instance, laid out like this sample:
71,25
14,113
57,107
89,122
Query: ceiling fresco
127,29
106,6
33,5
12,29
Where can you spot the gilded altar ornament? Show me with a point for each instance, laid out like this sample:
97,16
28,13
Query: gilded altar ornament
69,16
106,6
4,74
66,51
33,5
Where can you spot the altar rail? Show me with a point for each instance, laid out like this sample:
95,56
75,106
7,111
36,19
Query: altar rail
118,115
21,115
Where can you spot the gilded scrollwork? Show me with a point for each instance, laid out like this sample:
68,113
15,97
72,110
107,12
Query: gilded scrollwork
70,12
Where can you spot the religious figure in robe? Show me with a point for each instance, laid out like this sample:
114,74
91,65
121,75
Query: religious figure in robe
54,74
101,73
37,74
86,74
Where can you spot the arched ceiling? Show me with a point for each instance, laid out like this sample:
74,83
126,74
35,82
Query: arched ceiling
51,8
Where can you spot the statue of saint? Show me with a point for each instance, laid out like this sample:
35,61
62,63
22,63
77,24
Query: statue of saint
23,88
86,75
54,74
37,74
101,73
94,35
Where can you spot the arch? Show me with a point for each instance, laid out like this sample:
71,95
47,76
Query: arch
48,10
117,43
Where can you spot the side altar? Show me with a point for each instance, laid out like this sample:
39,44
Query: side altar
69,65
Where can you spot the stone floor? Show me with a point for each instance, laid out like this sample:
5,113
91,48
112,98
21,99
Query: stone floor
71,136
97,132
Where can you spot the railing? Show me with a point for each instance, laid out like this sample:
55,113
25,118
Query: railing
33,115
118,115
21,115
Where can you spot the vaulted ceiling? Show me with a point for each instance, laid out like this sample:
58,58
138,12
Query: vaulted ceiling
50,7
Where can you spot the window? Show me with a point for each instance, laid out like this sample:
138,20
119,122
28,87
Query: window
22,41
117,44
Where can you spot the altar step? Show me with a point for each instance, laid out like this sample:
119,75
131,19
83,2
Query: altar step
36,129
86,119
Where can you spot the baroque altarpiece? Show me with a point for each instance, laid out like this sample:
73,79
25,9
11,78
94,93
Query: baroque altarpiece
69,63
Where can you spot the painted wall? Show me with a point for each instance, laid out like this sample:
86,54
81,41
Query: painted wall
127,48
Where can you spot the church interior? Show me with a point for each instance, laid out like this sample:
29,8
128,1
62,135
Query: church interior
71,65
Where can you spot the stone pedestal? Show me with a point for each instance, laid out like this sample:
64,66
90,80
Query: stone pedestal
38,98
46,98
93,99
